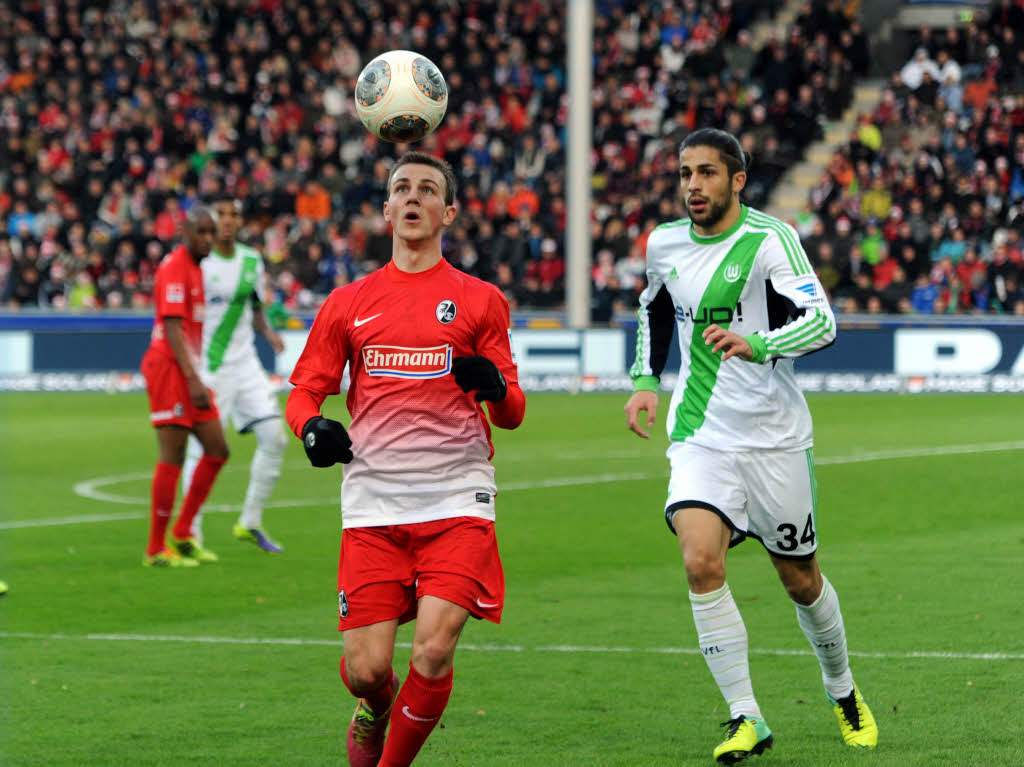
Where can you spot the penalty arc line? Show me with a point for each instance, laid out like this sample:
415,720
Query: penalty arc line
90,488
87,489
497,648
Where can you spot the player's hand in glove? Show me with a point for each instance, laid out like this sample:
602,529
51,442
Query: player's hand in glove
326,442
481,374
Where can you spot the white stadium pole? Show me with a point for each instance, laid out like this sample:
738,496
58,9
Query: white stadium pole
577,261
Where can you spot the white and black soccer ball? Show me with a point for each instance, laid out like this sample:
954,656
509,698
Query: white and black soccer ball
401,96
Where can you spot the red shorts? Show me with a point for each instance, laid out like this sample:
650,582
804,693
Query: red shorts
169,401
383,571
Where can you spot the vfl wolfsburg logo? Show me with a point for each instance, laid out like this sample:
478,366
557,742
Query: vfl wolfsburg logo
732,272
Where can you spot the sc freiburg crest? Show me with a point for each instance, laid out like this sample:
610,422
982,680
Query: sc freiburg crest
445,312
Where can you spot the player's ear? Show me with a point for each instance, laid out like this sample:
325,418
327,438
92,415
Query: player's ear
387,212
450,212
739,180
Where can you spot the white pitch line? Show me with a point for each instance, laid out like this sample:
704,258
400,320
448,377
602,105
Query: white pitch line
921,452
20,524
568,649
90,488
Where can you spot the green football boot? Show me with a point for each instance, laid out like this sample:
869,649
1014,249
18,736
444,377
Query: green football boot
189,548
747,737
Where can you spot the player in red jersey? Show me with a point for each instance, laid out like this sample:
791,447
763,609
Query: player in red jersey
425,346
178,401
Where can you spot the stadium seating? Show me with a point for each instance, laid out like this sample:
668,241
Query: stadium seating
112,125
922,211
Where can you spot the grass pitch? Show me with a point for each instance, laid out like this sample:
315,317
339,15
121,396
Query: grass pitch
920,528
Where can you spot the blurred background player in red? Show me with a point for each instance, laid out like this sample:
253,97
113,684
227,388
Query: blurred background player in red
426,345
179,403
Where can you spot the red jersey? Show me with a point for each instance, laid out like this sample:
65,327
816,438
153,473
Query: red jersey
178,292
422,446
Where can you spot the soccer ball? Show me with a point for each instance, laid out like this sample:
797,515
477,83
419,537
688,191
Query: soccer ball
401,96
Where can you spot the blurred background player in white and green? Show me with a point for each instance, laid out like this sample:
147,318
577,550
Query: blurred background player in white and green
233,279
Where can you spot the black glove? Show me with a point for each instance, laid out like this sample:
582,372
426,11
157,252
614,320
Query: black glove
326,442
481,374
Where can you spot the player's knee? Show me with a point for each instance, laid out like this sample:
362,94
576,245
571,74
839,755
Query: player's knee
366,674
801,579
172,454
432,657
218,450
270,437
802,588
705,570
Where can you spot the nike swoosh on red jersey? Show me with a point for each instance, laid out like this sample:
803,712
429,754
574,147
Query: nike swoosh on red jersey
357,321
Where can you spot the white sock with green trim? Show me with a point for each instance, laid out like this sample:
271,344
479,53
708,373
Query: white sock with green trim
264,471
822,624
193,454
723,642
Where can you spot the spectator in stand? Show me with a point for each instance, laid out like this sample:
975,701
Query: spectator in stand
924,295
24,287
973,274
877,201
826,269
1003,274
544,276
952,246
896,296
912,73
313,203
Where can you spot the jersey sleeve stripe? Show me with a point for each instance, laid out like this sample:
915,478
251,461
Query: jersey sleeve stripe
789,253
806,330
643,345
788,237
807,335
798,327
797,257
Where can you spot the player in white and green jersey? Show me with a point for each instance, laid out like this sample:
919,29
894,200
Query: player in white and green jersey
233,282
736,286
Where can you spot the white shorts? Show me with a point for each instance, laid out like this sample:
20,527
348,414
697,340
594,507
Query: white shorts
244,393
770,495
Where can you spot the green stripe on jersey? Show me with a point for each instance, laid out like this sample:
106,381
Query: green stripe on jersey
222,335
723,290
814,484
637,368
797,259
803,335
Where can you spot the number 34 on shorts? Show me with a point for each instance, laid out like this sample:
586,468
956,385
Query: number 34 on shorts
771,495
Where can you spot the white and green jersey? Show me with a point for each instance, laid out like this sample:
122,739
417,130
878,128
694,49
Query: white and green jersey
232,285
755,280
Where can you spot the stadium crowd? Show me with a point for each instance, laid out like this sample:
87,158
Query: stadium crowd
923,211
117,116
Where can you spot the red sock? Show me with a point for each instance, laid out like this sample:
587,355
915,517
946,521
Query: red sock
161,504
379,699
417,711
202,481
